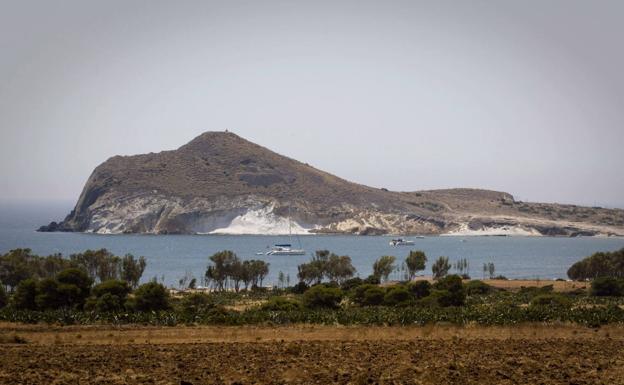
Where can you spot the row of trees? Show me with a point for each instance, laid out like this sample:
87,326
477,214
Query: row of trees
326,265
99,265
227,271
602,264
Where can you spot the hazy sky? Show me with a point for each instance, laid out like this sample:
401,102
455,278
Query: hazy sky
520,96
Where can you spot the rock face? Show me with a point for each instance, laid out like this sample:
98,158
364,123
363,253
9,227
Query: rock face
221,183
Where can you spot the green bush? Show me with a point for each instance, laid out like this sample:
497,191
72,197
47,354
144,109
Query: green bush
281,304
372,280
196,303
477,287
607,287
398,296
368,295
25,294
115,287
451,291
4,298
48,295
551,300
151,296
419,289
108,296
352,283
320,296
299,288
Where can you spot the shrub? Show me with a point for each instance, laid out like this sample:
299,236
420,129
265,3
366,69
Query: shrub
397,295
551,300
74,286
607,287
368,295
419,289
25,294
372,280
108,296
196,303
113,286
281,304
300,288
322,297
452,291
477,287
4,299
48,295
151,296
352,283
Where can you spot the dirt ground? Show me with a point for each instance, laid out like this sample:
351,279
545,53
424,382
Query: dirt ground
526,354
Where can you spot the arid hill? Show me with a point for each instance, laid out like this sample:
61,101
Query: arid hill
222,183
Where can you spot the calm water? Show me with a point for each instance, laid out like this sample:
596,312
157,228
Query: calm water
172,256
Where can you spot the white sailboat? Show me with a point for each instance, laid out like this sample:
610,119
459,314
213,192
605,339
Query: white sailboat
286,248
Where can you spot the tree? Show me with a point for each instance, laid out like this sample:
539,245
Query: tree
16,266
601,264
281,279
74,286
4,298
108,296
132,269
221,268
99,264
383,267
151,296
491,269
48,294
397,295
368,295
440,268
415,262
339,268
25,294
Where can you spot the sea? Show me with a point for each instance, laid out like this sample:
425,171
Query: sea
172,257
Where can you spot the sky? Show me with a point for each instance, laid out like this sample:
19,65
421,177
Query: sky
525,97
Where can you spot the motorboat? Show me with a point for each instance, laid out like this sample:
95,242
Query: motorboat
401,242
285,249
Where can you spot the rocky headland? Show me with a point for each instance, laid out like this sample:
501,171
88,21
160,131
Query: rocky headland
221,183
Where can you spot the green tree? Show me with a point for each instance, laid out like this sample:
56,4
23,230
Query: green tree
132,269
16,266
441,267
151,296
25,294
221,268
415,262
383,267
339,268
601,264
80,280
4,298
48,294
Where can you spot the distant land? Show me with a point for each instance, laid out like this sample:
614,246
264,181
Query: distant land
220,183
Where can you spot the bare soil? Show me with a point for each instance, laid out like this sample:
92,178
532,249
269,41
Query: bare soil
526,354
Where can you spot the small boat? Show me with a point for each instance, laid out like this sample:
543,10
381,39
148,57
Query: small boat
419,237
285,249
401,242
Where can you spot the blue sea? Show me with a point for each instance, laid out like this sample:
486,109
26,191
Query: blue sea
173,256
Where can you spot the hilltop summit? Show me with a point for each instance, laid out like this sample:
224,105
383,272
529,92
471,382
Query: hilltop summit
222,183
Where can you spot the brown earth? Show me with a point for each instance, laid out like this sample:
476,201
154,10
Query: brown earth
527,354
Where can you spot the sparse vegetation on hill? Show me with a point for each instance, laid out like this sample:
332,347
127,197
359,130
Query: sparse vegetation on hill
219,175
